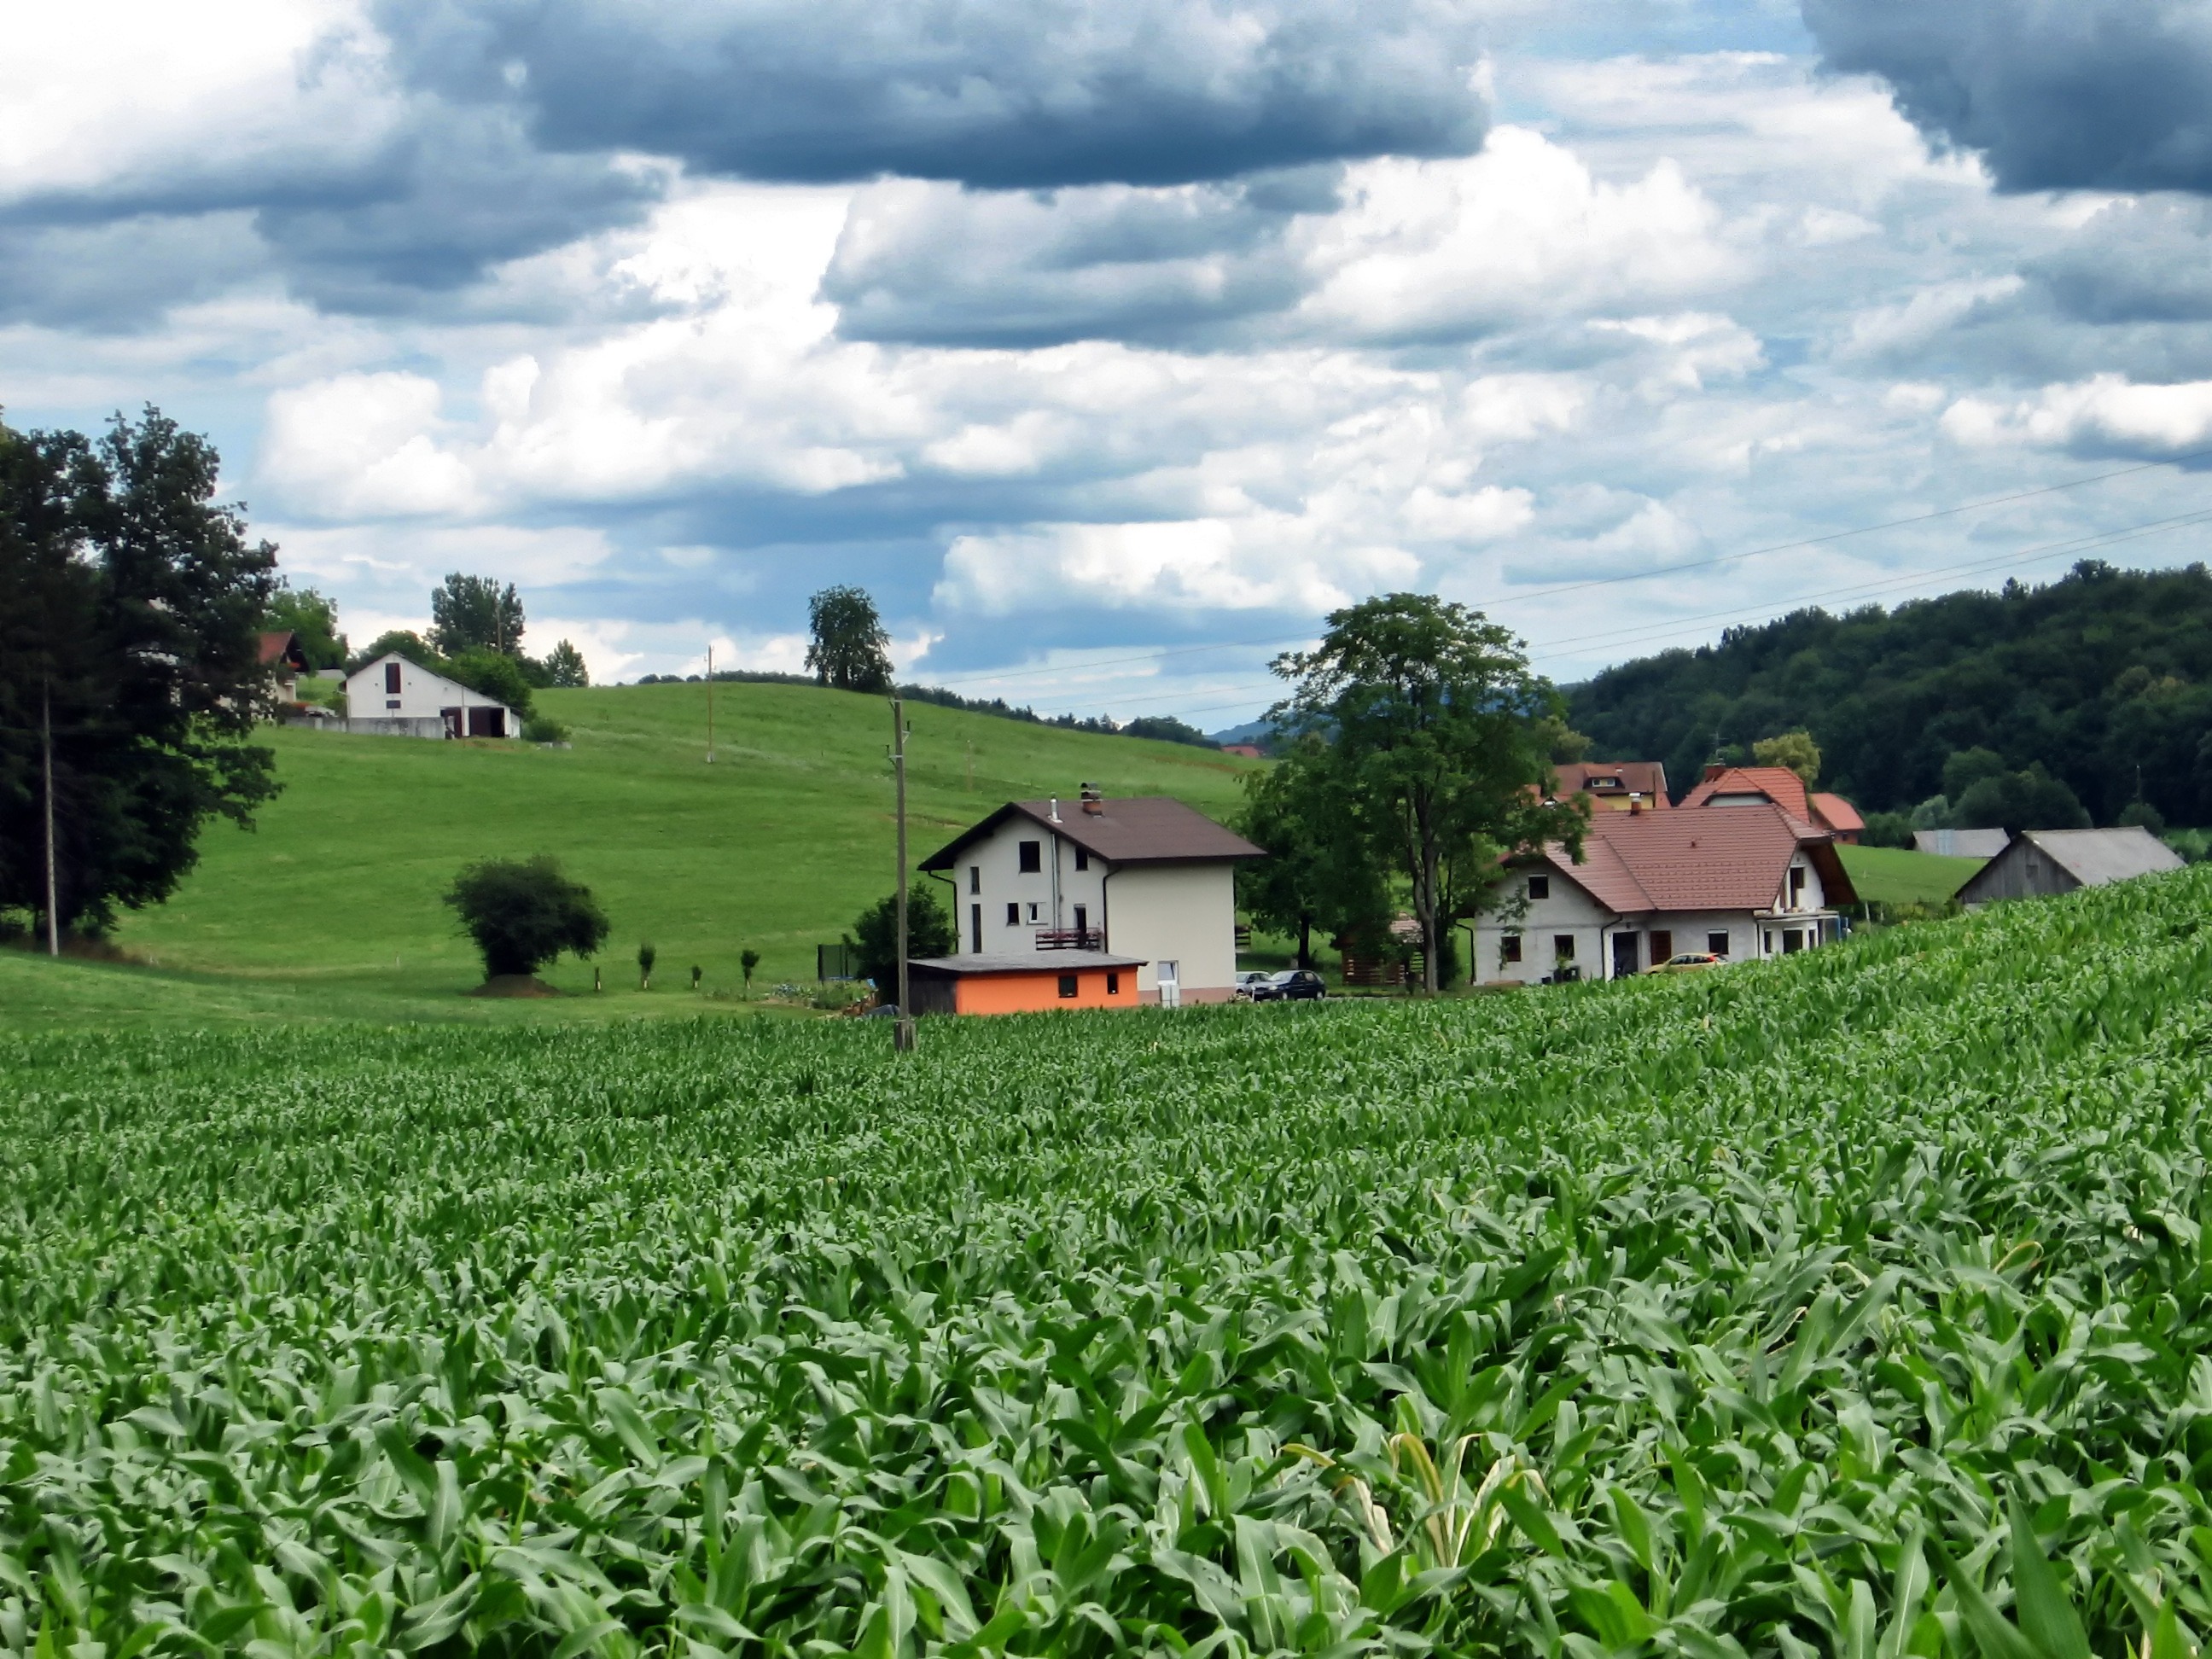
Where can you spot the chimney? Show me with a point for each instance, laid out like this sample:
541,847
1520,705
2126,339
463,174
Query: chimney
1055,809
1635,802
1094,804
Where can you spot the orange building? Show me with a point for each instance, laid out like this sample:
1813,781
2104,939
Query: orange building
978,984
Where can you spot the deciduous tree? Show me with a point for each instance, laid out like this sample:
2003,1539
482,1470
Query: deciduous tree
564,667
523,913
850,648
929,933
1433,728
476,613
130,604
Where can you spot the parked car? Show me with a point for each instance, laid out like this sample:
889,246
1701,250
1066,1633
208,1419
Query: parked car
1292,984
1689,962
1248,981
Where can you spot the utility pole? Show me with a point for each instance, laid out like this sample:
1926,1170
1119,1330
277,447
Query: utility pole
53,886
710,705
903,1027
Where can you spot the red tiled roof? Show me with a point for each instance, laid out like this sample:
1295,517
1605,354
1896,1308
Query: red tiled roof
1837,813
1777,783
1138,829
1648,778
278,647
1725,859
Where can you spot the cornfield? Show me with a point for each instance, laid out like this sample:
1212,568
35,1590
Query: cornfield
1857,1303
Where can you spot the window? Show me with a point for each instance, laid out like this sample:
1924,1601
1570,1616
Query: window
392,679
1032,857
1082,858
1769,937
1509,949
1014,915
1036,910
976,928
975,879
1082,918
1797,886
1716,943
1540,887
1067,984
1793,938
1113,985
1563,947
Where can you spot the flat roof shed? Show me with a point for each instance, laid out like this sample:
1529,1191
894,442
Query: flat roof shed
982,984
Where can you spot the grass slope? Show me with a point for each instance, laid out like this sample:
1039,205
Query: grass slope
778,845
753,1337
1895,875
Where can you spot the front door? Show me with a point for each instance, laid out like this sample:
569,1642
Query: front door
1083,927
1662,947
1170,987
1624,955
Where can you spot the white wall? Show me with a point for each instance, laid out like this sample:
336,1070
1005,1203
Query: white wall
1181,913
1571,912
1185,913
422,695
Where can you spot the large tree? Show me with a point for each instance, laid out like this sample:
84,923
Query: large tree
130,606
850,648
1430,726
476,613
1317,873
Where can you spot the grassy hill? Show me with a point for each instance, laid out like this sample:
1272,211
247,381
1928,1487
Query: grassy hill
777,845
1896,875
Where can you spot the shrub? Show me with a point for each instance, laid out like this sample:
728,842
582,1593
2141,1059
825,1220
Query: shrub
2143,813
1888,830
929,933
645,955
523,913
539,728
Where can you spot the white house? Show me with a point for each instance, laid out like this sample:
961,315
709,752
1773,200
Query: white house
1147,878
395,698
1738,881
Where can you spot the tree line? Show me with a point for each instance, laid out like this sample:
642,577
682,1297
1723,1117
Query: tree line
2086,698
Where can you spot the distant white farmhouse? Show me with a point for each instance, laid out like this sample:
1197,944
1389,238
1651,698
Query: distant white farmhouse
394,697
1145,877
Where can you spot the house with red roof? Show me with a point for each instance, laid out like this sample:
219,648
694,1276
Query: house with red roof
1740,879
1615,786
1749,786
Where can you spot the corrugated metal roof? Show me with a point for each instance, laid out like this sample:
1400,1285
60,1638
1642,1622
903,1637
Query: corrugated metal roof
2094,857
1043,961
1961,843
1136,829
1732,858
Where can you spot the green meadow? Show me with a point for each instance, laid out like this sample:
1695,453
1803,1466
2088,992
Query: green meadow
1893,875
332,905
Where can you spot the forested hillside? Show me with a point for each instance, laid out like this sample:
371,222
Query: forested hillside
2103,678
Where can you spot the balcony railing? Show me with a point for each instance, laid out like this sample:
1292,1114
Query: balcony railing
1071,939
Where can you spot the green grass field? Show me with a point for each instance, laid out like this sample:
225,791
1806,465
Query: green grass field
1853,1303
1892,875
333,902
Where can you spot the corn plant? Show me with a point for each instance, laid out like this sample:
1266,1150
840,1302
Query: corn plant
1854,1304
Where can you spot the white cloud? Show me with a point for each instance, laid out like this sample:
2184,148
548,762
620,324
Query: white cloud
2105,411
1519,231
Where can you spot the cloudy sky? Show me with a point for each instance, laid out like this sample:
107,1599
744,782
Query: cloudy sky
1111,345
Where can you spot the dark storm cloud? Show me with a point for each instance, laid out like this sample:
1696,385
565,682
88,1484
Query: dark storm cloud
2134,262
448,194
2056,94
994,93
932,265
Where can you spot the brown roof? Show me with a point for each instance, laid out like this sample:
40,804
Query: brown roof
1727,858
1647,778
1835,812
282,646
1777,783
1139,829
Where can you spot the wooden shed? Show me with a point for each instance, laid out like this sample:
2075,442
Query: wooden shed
2043,862
1022,984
